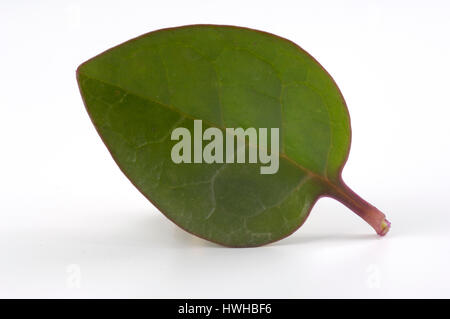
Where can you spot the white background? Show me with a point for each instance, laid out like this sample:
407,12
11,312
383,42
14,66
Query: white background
72,225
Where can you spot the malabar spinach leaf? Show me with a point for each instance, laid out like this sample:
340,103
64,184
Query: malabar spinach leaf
138,92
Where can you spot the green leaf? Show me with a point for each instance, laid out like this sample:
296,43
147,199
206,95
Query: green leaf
228,77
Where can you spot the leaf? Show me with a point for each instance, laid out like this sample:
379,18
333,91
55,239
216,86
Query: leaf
138,92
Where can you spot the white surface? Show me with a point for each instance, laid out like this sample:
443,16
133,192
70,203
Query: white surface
71,225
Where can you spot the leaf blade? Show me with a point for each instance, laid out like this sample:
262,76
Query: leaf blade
220,79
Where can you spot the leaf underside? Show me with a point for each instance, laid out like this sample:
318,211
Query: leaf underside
139,91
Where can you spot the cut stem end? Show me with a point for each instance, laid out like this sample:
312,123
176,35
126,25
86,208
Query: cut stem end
385,226
363,209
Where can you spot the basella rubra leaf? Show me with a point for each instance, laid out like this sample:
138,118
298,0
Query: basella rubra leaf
228,77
